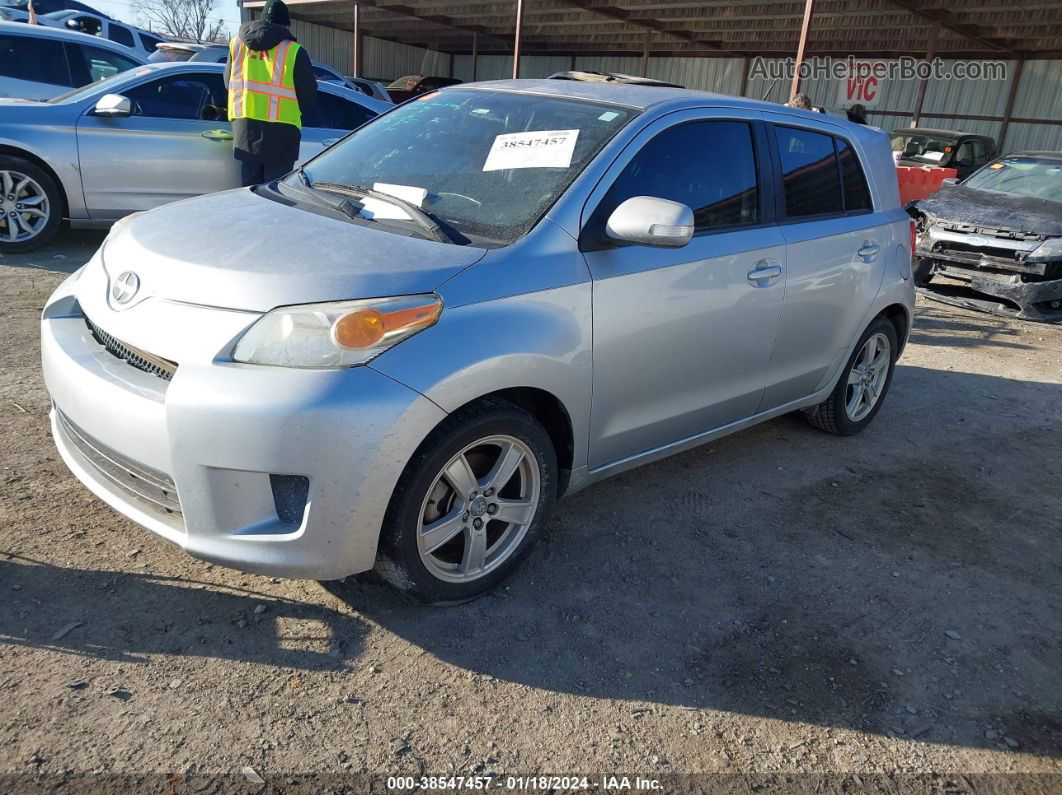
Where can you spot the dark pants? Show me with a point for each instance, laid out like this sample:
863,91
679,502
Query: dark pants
252,173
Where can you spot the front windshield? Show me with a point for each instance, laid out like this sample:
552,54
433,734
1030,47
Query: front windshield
487,163
924,148
1021,176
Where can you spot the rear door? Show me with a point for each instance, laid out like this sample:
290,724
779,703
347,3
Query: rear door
176,144
836,247
682,337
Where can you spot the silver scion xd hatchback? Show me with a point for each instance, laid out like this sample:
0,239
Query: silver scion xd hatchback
400,355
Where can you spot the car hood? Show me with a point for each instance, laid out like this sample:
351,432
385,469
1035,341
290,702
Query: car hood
238,250
961,205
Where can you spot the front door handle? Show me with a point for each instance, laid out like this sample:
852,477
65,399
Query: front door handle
868,250
764,272
217,135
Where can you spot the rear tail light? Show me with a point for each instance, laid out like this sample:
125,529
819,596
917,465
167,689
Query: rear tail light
914,236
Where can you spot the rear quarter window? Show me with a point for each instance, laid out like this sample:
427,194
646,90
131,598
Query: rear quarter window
810,177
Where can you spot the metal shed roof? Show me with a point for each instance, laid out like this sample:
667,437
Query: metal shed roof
879,28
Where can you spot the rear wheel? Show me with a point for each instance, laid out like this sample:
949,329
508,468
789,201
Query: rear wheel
30,205
470,505
861,389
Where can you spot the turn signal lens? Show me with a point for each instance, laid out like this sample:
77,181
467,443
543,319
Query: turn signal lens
339,334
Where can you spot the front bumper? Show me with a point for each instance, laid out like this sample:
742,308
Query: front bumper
1029,296
270,470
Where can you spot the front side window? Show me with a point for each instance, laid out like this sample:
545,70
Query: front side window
37,60
490,163
710,166
101,63
810,177
201,97
335,113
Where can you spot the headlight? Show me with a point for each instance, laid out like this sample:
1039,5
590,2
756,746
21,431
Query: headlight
1048,250
339,334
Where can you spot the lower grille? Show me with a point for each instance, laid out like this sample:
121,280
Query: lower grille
141,360
149,487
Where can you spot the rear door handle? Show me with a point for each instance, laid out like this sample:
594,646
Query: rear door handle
217,135
764,272
868,250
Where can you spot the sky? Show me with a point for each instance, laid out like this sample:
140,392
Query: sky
125,11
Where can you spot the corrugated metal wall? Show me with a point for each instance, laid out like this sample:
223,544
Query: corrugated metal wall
1039,93
380,59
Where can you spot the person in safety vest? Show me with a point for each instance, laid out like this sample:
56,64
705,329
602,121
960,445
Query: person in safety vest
270,82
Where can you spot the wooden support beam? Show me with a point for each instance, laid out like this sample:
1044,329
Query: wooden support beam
357,43
475,55
809,9
931,53
933,15
645,58
516,38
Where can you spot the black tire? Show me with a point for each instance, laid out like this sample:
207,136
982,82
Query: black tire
399,559
18,165
923,271
831,415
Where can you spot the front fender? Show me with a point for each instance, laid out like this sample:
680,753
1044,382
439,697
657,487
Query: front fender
540,340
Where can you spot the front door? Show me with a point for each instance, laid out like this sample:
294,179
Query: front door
682,337
177,143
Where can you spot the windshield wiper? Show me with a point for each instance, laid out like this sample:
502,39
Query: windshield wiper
429,222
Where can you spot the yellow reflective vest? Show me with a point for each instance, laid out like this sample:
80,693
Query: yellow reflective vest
262,83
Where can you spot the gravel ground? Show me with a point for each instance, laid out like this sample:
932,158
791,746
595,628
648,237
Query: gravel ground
777,604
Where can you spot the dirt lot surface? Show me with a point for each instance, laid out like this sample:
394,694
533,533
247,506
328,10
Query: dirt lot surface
780,602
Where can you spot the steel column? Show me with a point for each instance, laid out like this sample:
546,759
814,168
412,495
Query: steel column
475,55
645,58
809,9
357,42
1014,80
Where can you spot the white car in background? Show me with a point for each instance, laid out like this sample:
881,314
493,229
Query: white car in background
38,62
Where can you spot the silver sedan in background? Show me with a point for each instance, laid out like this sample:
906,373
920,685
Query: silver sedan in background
132,142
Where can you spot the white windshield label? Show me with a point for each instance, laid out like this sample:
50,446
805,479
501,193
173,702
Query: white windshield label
934,156
542,149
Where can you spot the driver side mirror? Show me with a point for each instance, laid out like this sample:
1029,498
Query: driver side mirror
114,105
649,221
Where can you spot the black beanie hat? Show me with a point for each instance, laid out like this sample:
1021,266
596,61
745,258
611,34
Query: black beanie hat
276,12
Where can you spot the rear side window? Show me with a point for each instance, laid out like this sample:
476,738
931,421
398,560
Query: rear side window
809,172
100,63
333,113
38,60
710,166
856,194
149,42
117,33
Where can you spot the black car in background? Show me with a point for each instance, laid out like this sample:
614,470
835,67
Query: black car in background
923,146
414,85
998,236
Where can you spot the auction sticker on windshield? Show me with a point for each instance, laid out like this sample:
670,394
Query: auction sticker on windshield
540,149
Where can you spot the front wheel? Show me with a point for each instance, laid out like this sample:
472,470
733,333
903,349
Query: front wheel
470,505
861,389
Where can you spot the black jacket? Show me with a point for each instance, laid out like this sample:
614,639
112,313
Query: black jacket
270,142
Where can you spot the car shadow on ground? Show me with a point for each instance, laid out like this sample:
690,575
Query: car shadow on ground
70,249
174,616
940,325
900,583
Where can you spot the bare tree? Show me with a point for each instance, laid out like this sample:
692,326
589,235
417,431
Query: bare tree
186,19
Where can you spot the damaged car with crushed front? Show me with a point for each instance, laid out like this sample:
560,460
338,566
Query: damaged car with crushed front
995,239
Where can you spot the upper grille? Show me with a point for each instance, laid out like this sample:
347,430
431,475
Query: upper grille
141,360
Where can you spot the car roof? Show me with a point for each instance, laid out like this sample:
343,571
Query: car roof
45,32
936,133
645,97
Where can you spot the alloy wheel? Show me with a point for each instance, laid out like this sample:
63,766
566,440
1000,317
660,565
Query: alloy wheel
478,509
867,377
24,205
